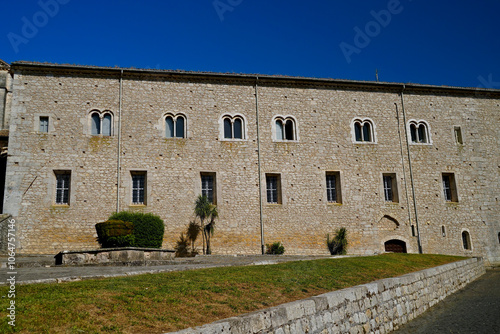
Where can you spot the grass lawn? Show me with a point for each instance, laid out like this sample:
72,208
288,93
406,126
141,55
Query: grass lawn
158,303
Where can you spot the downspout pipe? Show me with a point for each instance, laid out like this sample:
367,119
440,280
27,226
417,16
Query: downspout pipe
411,171
259,166
118,157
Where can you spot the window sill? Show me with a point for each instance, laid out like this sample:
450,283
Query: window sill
137,205
364,142
334,203
273,204
233,140
62,206
420,144
285,141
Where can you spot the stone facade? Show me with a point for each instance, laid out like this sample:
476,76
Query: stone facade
321,141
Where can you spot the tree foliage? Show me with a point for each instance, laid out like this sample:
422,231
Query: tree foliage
207,213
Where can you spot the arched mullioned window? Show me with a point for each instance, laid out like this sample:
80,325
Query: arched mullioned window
101,123
419,132
285,128
233,127
175,126
363,130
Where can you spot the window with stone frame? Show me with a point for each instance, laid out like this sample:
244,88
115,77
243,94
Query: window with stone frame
234,127
449,187
43,124
419,132
364,131
285,128
101,123
333,192
139,187
458,135
466,243
63,187
390,187
273,188
175,126
209,186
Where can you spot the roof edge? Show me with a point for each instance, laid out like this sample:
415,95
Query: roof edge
265,77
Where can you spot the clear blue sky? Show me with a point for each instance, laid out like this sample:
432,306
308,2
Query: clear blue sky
445,42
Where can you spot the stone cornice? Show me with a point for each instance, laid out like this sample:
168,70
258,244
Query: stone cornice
265,80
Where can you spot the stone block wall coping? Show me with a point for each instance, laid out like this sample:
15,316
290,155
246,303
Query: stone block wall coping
122,255
377,307
100,250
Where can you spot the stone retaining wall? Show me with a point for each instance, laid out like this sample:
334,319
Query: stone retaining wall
123,256
377,307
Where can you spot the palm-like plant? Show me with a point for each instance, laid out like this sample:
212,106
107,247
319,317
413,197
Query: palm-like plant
205,210
338,245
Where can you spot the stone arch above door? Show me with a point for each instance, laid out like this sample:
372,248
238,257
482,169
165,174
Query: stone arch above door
388,223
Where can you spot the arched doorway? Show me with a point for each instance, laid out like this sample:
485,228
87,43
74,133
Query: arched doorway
395,246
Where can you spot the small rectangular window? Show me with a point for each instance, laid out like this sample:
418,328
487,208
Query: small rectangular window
273,188
443,231
208,186
44,124
63,186
139,188
413,234
449,187
333,193
390,187
458,135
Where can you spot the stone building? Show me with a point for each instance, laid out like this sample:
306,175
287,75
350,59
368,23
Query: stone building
402,167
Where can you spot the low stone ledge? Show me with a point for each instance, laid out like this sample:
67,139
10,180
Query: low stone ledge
116,256
377,307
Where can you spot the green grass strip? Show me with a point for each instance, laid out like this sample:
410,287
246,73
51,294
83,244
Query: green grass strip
158,303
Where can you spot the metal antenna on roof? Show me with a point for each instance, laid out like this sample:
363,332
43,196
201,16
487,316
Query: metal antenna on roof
376,74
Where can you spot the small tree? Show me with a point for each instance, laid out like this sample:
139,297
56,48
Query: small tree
205,210
338,245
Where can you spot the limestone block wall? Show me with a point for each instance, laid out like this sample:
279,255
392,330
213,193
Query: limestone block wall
323,112
378,307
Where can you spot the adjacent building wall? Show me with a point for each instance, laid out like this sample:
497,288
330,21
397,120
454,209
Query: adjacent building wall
323,112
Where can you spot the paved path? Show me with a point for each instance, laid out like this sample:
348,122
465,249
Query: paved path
52,274
474,309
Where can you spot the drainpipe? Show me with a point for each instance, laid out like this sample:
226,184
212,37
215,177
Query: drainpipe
258,163
411,172
403,164
118,162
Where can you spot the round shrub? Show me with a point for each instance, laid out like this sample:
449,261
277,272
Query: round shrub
115,233
275,248
148,228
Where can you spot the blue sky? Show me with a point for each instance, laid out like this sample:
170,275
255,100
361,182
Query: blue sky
442,42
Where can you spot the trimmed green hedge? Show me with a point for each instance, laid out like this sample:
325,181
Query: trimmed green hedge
148,228
115,233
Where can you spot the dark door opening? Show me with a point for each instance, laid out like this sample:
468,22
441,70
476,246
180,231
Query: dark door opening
395,246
